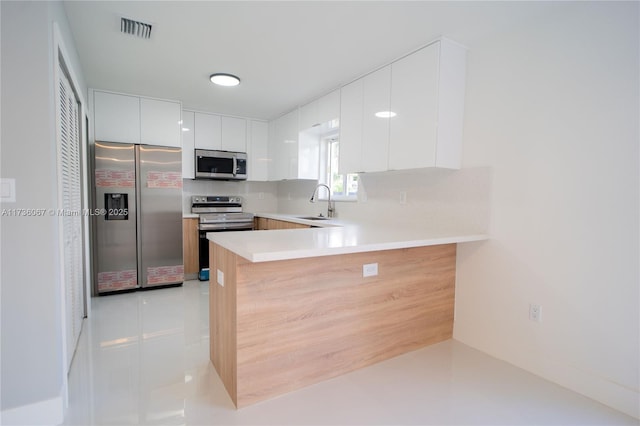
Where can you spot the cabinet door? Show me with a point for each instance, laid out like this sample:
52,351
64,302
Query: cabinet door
208,131
290,143
309,116
451,92
116,117
188,152
190,245
276,171
257,151
283,147
351,128
329,107
159,122
234,134
414,98
375,130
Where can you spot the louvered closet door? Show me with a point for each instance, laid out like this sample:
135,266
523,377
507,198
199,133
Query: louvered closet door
70,196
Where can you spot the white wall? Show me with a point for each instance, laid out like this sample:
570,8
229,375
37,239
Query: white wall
32,372
552,108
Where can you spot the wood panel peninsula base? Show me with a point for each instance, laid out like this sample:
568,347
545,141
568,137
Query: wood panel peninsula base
281,325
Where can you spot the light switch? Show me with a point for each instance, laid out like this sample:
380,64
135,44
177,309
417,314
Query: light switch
7,190
220,277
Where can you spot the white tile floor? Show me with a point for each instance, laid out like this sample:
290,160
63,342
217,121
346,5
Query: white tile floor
143,358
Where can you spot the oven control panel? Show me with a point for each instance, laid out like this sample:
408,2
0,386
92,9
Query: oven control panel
215,199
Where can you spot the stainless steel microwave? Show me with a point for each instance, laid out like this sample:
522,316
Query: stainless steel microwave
221,165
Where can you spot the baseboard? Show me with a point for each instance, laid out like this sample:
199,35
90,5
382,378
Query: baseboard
47,412
600,389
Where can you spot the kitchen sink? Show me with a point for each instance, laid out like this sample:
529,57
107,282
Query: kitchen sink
313,217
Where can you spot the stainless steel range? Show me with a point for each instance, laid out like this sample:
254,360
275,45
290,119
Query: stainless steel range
217,213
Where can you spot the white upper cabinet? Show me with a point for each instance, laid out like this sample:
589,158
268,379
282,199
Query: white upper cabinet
257,151
188,153
427,95
320,111
234,134
133,119
160,122
329,107
375,129
364,137
283,147
351,97
292,157
116,117
309,116
424,94
216,132
208,131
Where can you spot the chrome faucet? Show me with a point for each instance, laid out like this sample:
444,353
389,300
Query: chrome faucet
331,210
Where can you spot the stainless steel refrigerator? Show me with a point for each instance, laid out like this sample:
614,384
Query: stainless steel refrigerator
137,216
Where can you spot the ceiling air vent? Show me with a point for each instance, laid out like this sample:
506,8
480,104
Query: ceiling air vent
135,28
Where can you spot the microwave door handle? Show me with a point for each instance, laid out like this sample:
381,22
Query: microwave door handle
235,165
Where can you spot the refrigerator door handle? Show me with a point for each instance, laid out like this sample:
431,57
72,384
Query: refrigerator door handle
138,203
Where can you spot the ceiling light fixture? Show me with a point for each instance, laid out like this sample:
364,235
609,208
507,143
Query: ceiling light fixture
385,114
222,79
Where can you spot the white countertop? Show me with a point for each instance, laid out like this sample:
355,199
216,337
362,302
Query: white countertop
190,216
330,238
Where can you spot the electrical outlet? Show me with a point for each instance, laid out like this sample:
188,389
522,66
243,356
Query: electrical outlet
535,312
403,197
369,270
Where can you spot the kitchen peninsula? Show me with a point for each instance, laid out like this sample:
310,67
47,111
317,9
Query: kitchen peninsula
293,307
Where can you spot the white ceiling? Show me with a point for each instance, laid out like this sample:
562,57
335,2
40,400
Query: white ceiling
286,53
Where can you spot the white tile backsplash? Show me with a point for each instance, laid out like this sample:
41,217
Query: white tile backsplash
457,198
257,196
